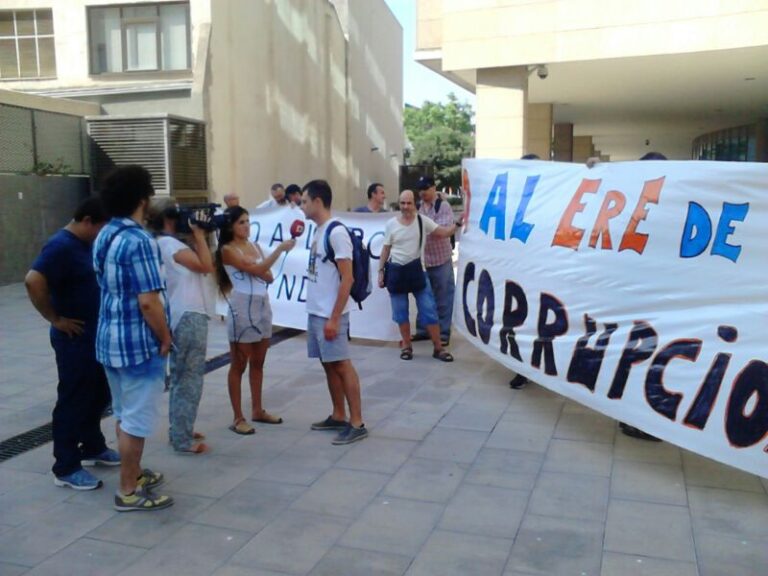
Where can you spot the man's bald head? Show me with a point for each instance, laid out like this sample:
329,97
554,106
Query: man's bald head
407,195
407,202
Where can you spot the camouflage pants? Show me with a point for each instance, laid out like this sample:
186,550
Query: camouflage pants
187,370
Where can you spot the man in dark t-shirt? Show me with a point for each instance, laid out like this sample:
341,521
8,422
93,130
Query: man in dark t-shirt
62,286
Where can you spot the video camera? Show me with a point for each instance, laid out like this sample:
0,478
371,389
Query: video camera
201,215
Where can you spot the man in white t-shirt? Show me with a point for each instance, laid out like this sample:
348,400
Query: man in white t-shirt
278,198
328,304
404,238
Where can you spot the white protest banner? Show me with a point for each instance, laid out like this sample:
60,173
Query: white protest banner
639,289
287,294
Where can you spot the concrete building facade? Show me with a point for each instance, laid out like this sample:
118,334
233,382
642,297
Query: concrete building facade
604,77
289,89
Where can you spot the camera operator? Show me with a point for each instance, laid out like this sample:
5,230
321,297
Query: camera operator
185,268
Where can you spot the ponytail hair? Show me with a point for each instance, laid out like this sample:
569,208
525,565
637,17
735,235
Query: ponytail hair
226,235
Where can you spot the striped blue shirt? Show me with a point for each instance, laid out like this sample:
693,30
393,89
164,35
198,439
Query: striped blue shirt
128,263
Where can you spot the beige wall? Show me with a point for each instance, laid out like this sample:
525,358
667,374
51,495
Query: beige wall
375,57
276,99
495,33
538,127
294,102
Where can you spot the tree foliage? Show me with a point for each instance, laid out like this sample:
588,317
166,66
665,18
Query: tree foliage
441,135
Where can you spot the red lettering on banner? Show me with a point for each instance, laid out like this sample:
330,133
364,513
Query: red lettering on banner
612,207
632,239
568,235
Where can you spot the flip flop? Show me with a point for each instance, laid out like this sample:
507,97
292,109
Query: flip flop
442,355
242,428
267,418
198,448
198,436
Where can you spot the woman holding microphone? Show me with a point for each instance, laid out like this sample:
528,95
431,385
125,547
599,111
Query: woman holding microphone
243,273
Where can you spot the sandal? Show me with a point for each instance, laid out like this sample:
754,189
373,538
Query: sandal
268,418
197,448
442,355
198,436
406,353
241,427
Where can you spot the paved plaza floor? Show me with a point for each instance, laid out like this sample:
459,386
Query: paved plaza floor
461,475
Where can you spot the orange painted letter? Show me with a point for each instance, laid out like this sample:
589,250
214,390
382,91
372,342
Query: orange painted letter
612,207
632,239
566,235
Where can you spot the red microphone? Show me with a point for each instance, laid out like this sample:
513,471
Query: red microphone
297,228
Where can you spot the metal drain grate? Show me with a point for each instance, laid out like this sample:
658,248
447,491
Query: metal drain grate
36,437
26,441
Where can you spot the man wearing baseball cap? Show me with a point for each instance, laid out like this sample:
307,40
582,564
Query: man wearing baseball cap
437,259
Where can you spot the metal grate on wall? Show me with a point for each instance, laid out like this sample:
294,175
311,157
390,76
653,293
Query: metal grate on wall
171,148
35,140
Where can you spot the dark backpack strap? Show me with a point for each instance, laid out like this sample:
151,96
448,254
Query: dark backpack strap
421,231
330,254
438,202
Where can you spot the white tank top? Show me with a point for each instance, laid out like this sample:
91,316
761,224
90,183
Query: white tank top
246,283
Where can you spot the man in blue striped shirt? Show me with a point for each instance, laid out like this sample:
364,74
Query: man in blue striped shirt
132,338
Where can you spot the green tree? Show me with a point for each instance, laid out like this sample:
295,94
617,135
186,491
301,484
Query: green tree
441,135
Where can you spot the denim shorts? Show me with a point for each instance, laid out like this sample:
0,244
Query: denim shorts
425,304
136,392
327,350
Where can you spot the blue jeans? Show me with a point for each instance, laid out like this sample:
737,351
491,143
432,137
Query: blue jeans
425,306
443,287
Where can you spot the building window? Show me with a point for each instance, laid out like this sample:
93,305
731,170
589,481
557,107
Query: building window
139,38
26,44
737,144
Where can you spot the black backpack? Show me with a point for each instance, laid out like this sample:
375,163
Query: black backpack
361,262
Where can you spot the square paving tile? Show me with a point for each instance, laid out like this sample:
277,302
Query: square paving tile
341,493
352,562
514,435
426,479
740,514
452,444
649,482
557,547
485,510
720,554
516,469
393,525
587,427
627,448
193,550
577,457
33,542
376,454
87,556
452,554
250,506
647,529
626,565
570,496
467,417
292,543
701,471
